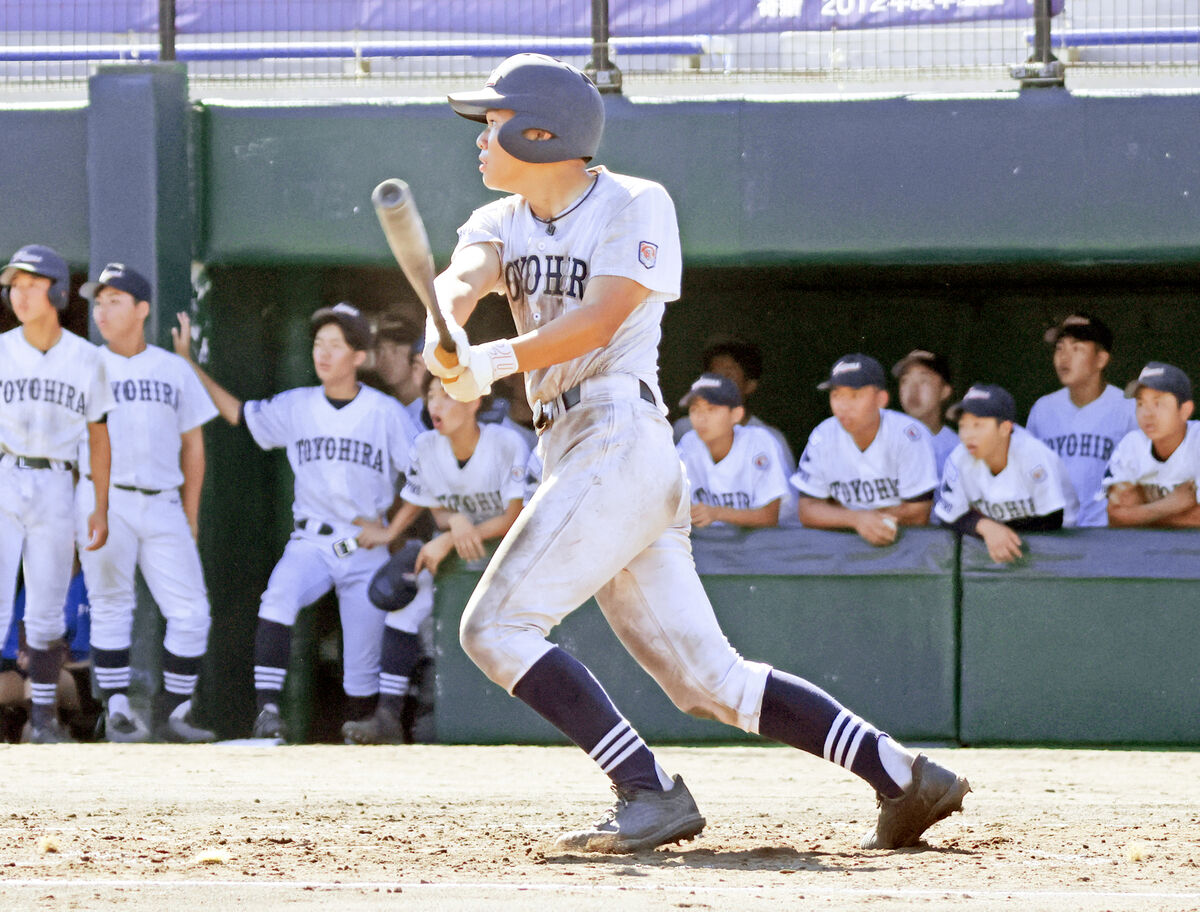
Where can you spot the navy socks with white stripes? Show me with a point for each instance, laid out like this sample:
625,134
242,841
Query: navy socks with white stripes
798,713
398,657
563,691
272,643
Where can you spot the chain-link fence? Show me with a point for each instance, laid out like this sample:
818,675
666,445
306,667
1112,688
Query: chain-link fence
375,44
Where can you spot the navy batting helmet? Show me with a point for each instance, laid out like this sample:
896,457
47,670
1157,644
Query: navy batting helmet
43,261
395,583
544,94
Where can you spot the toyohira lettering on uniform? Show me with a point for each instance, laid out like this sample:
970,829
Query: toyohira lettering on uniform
1093,445
145,390
739,500
865,490
556,275
338,449
1003,511
39,389
473,503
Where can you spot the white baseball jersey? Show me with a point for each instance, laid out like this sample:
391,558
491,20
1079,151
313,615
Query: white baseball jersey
897,466
482,488
48,398
1134,462
944,442
1033,483
1084,439
346,460
626,228
157,398
750,476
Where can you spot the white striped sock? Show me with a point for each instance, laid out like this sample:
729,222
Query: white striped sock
180,684
393,685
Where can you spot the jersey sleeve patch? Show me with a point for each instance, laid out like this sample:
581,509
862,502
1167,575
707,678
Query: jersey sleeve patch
647,254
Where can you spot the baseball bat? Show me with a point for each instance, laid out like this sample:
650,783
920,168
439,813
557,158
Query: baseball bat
406,236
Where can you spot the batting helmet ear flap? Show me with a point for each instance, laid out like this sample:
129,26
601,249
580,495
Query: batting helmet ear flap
40,260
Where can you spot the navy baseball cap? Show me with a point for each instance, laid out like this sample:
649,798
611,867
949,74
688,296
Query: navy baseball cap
121,277
354,325
1163,377
936,363
855,371
714,389
985,400
40,260
1083,327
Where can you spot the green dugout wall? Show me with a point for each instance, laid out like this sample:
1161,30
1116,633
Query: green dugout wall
812,226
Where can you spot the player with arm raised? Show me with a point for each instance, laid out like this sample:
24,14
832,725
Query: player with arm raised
157,474
347,445
588,260
55,393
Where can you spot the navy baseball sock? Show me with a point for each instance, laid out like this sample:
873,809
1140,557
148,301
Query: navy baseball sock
180,674
358,708
564,692
802,715
111,667
398,658
43,678
272,643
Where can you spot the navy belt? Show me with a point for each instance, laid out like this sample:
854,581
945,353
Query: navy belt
572,397
37,462
149,492
323,529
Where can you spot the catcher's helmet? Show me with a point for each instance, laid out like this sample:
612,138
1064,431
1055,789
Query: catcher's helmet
42,261
545,94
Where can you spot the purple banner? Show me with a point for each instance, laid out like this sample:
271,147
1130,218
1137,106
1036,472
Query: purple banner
544,18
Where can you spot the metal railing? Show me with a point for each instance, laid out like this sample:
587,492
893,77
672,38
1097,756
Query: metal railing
376,44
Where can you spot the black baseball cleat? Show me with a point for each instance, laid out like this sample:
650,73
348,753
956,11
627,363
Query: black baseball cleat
640,820
126,729
182,729
268,725
935,794
50,733
382,727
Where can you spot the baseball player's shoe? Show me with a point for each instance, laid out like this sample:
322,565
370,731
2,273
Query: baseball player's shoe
380,728
125,729
268,725
182,729
934,795
640,820
50,733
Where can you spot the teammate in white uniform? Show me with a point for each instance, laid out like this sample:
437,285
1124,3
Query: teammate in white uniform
1001,479
925,389
1085,420
53,392
347,445
588,260
153,517
472,476
733,470
867,468
1154,473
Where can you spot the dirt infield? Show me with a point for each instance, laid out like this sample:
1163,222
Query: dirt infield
230,827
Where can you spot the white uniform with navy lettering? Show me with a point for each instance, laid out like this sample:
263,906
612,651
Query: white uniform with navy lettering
346,463
1084,439
1134,462
1033,483
612,514
750,476
897,466
158,398
47,400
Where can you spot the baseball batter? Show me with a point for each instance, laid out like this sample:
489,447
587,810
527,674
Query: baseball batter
1085,420
588,260
153,516
867,468
1001,479
347,445
733,470
1153,476
54,392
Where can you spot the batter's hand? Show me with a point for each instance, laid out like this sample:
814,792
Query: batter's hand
466,387
181,337
467,540
876,528
1003,544
462,345
97,531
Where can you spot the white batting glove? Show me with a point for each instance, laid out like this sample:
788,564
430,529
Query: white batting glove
458,336
485,364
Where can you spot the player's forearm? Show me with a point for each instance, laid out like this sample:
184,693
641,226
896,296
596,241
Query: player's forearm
100,467
1157,512
192,464
228,405
402,519
754,517
1185,519
609,302
472,273
498,526
824,514
910,513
